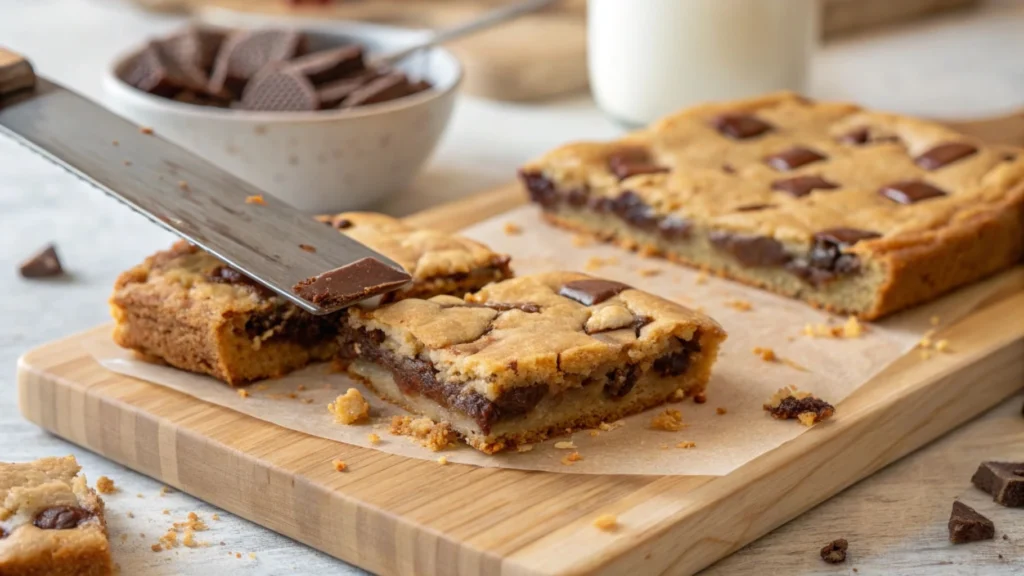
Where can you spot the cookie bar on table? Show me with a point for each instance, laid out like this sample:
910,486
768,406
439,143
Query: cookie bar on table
850,210
531,357
185,307
51,522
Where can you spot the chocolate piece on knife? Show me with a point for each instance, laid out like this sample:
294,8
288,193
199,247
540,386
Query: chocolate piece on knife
966,525
245,53
356,281
388,87
1003,480
329,65
280,88
44,264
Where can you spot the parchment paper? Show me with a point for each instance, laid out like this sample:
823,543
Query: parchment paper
742,381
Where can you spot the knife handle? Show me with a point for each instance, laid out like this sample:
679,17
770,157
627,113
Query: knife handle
15,72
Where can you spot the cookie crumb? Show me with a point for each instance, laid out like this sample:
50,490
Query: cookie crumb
127,162
671,420
350,407
255,199
339,465
130,514
609,426
926,354
721,411
700,398
373,439
835,551
649,272
308,248
942,345
934,321
565,445
183,185
594,433
606,522
702,278
146,130
686,445
789,404
165,512
242,393
215,516
443,460
595,263
116,143
571,458
766,354
105,485
165,490
740,305
512,229
580,240
252,555
852,328
678,396
524,447
433,435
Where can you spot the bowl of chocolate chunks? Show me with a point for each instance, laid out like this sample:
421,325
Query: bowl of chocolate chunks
303,114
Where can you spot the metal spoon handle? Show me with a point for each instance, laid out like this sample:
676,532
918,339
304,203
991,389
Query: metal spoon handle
492,18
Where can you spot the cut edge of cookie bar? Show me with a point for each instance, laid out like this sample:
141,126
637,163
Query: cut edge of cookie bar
183,307
646,361
843,270
55,484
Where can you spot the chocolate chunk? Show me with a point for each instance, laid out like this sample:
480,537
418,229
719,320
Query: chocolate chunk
631,207
826,260
753,207
674,228
280,89
910,191
1003,480
228,275
728,168
750,250
288,325
340,223
520,400
334,93
633,161
245,53
592,290
843,237
541,189
835,551
382,89
966,525
944,154
61,517
578,197
44,264
150,71
3,533
621,381
350,283
803,185
678,362
793,158
857,136
329,65
740,126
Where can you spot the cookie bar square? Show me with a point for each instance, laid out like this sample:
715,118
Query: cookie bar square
850,210
185,307
530,357
51,522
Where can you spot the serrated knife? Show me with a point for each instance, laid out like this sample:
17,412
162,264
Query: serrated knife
307,262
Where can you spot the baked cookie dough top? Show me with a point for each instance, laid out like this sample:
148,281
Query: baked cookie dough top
786,167
425,254
555,328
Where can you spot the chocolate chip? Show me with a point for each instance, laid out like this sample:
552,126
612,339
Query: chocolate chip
835,551
329,65
520,399
673,364
944,154
61,517
966,525
826,259
803,185
910,191
753,207
728,168
621,381
750,250
341,223
631,162
43,264
541,189
1003,480
382,89
857,136
674,228
844,237
631,207
245,53
740,126
793,158
578,197
591,290
280,89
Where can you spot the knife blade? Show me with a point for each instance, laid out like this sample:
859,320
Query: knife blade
307,262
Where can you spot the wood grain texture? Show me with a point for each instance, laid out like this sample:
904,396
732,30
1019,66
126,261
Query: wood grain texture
398,516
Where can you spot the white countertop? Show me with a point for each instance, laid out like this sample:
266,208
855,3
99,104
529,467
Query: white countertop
963,65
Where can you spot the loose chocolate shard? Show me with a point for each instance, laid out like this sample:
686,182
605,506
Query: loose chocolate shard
793,158
944,154
382,89
857,136
740,126
910,191
750,250
966,525
592,290
634,161
280,89
61,517
350,283
803,185
835,551
245,53
44,264
329,65
1003,480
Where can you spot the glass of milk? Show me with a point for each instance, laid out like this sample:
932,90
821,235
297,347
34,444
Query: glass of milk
648,58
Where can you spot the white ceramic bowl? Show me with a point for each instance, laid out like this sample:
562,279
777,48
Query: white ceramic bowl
325,161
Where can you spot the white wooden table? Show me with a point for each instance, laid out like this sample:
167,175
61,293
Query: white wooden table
968,64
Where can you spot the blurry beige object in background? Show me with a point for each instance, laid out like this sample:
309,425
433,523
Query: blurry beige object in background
648,58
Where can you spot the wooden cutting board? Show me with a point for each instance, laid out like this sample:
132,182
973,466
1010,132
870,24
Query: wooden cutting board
393,515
